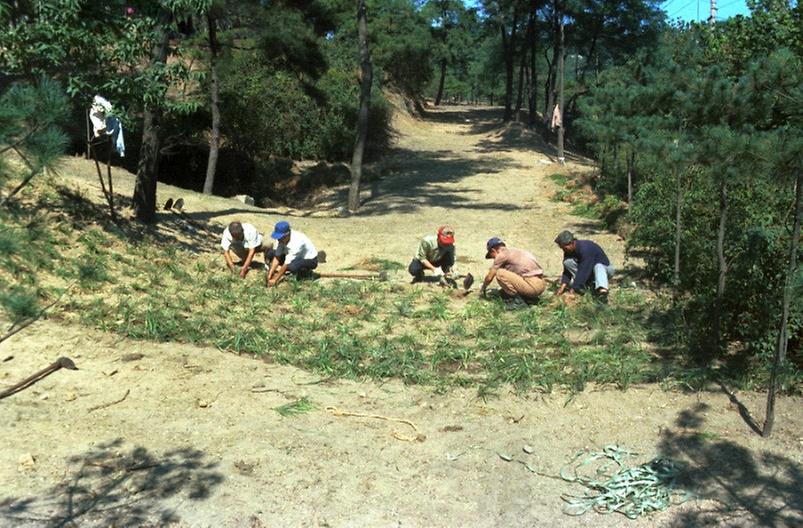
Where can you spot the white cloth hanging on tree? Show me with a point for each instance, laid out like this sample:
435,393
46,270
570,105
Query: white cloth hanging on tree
104,124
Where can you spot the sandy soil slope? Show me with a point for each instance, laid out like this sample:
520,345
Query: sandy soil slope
188,436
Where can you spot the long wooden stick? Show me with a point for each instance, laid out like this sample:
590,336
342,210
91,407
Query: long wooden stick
381,276
104,405
60,363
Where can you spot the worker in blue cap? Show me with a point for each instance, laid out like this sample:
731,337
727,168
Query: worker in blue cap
294,253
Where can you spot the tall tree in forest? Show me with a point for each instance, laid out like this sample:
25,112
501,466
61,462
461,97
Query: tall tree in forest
155,100
782,87
366,79
214,100
444,17
148,166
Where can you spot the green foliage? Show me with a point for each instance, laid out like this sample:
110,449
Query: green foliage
701,121
19,303
31,117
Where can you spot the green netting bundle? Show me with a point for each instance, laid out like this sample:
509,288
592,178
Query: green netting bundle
615,487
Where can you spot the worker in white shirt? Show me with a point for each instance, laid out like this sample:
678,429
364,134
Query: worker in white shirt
294,253
244,241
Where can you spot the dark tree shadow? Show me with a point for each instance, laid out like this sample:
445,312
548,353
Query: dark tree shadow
743,411
422,180
115,486
173,231
742,488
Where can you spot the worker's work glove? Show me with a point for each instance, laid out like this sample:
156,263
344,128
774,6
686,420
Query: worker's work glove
437,273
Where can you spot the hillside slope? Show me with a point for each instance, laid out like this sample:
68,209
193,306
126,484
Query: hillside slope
409,402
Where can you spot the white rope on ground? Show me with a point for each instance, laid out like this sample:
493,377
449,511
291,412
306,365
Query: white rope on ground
395,434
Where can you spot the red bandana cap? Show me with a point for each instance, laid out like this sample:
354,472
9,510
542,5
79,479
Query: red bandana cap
446,235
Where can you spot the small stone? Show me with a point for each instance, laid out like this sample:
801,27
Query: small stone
506,458
26,462
132,357
362,394
110,372
244,198
528,449
203,403
70,396
44,396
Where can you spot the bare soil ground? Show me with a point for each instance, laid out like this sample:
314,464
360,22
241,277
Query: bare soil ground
194,438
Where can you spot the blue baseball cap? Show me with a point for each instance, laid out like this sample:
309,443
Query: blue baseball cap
492,243
280,229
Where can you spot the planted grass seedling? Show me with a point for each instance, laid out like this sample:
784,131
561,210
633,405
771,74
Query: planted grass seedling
300,406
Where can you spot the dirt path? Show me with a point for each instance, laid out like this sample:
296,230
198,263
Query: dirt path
197,442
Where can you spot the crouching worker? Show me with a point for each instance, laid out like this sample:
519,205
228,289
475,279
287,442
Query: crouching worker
244,241
516,271
585,264
294,254
434,251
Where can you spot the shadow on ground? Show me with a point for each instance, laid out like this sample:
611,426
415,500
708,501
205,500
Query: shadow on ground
112,485
739,487
507,136
417,179
173,229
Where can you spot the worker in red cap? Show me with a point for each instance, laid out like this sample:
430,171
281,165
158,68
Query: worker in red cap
435,253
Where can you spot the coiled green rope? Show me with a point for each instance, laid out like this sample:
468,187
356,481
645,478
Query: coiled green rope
631,491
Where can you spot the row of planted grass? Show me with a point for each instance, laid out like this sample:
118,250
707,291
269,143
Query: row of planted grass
139,285
377,330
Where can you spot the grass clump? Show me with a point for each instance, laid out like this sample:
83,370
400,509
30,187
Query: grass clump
296,407
377,264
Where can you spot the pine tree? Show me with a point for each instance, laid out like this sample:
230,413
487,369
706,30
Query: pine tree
31,116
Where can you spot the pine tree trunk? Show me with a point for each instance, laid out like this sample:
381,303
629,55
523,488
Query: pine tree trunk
365,99
678,227
631,167
440,83
522,69
148,167
722,263
562,127
551,83
214,138
783,335
549,90
533,70
508,47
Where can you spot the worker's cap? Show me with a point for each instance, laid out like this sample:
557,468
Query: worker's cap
445,235
564,238
492,243
280,230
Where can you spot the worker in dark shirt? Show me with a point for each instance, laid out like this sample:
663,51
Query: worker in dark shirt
584,262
